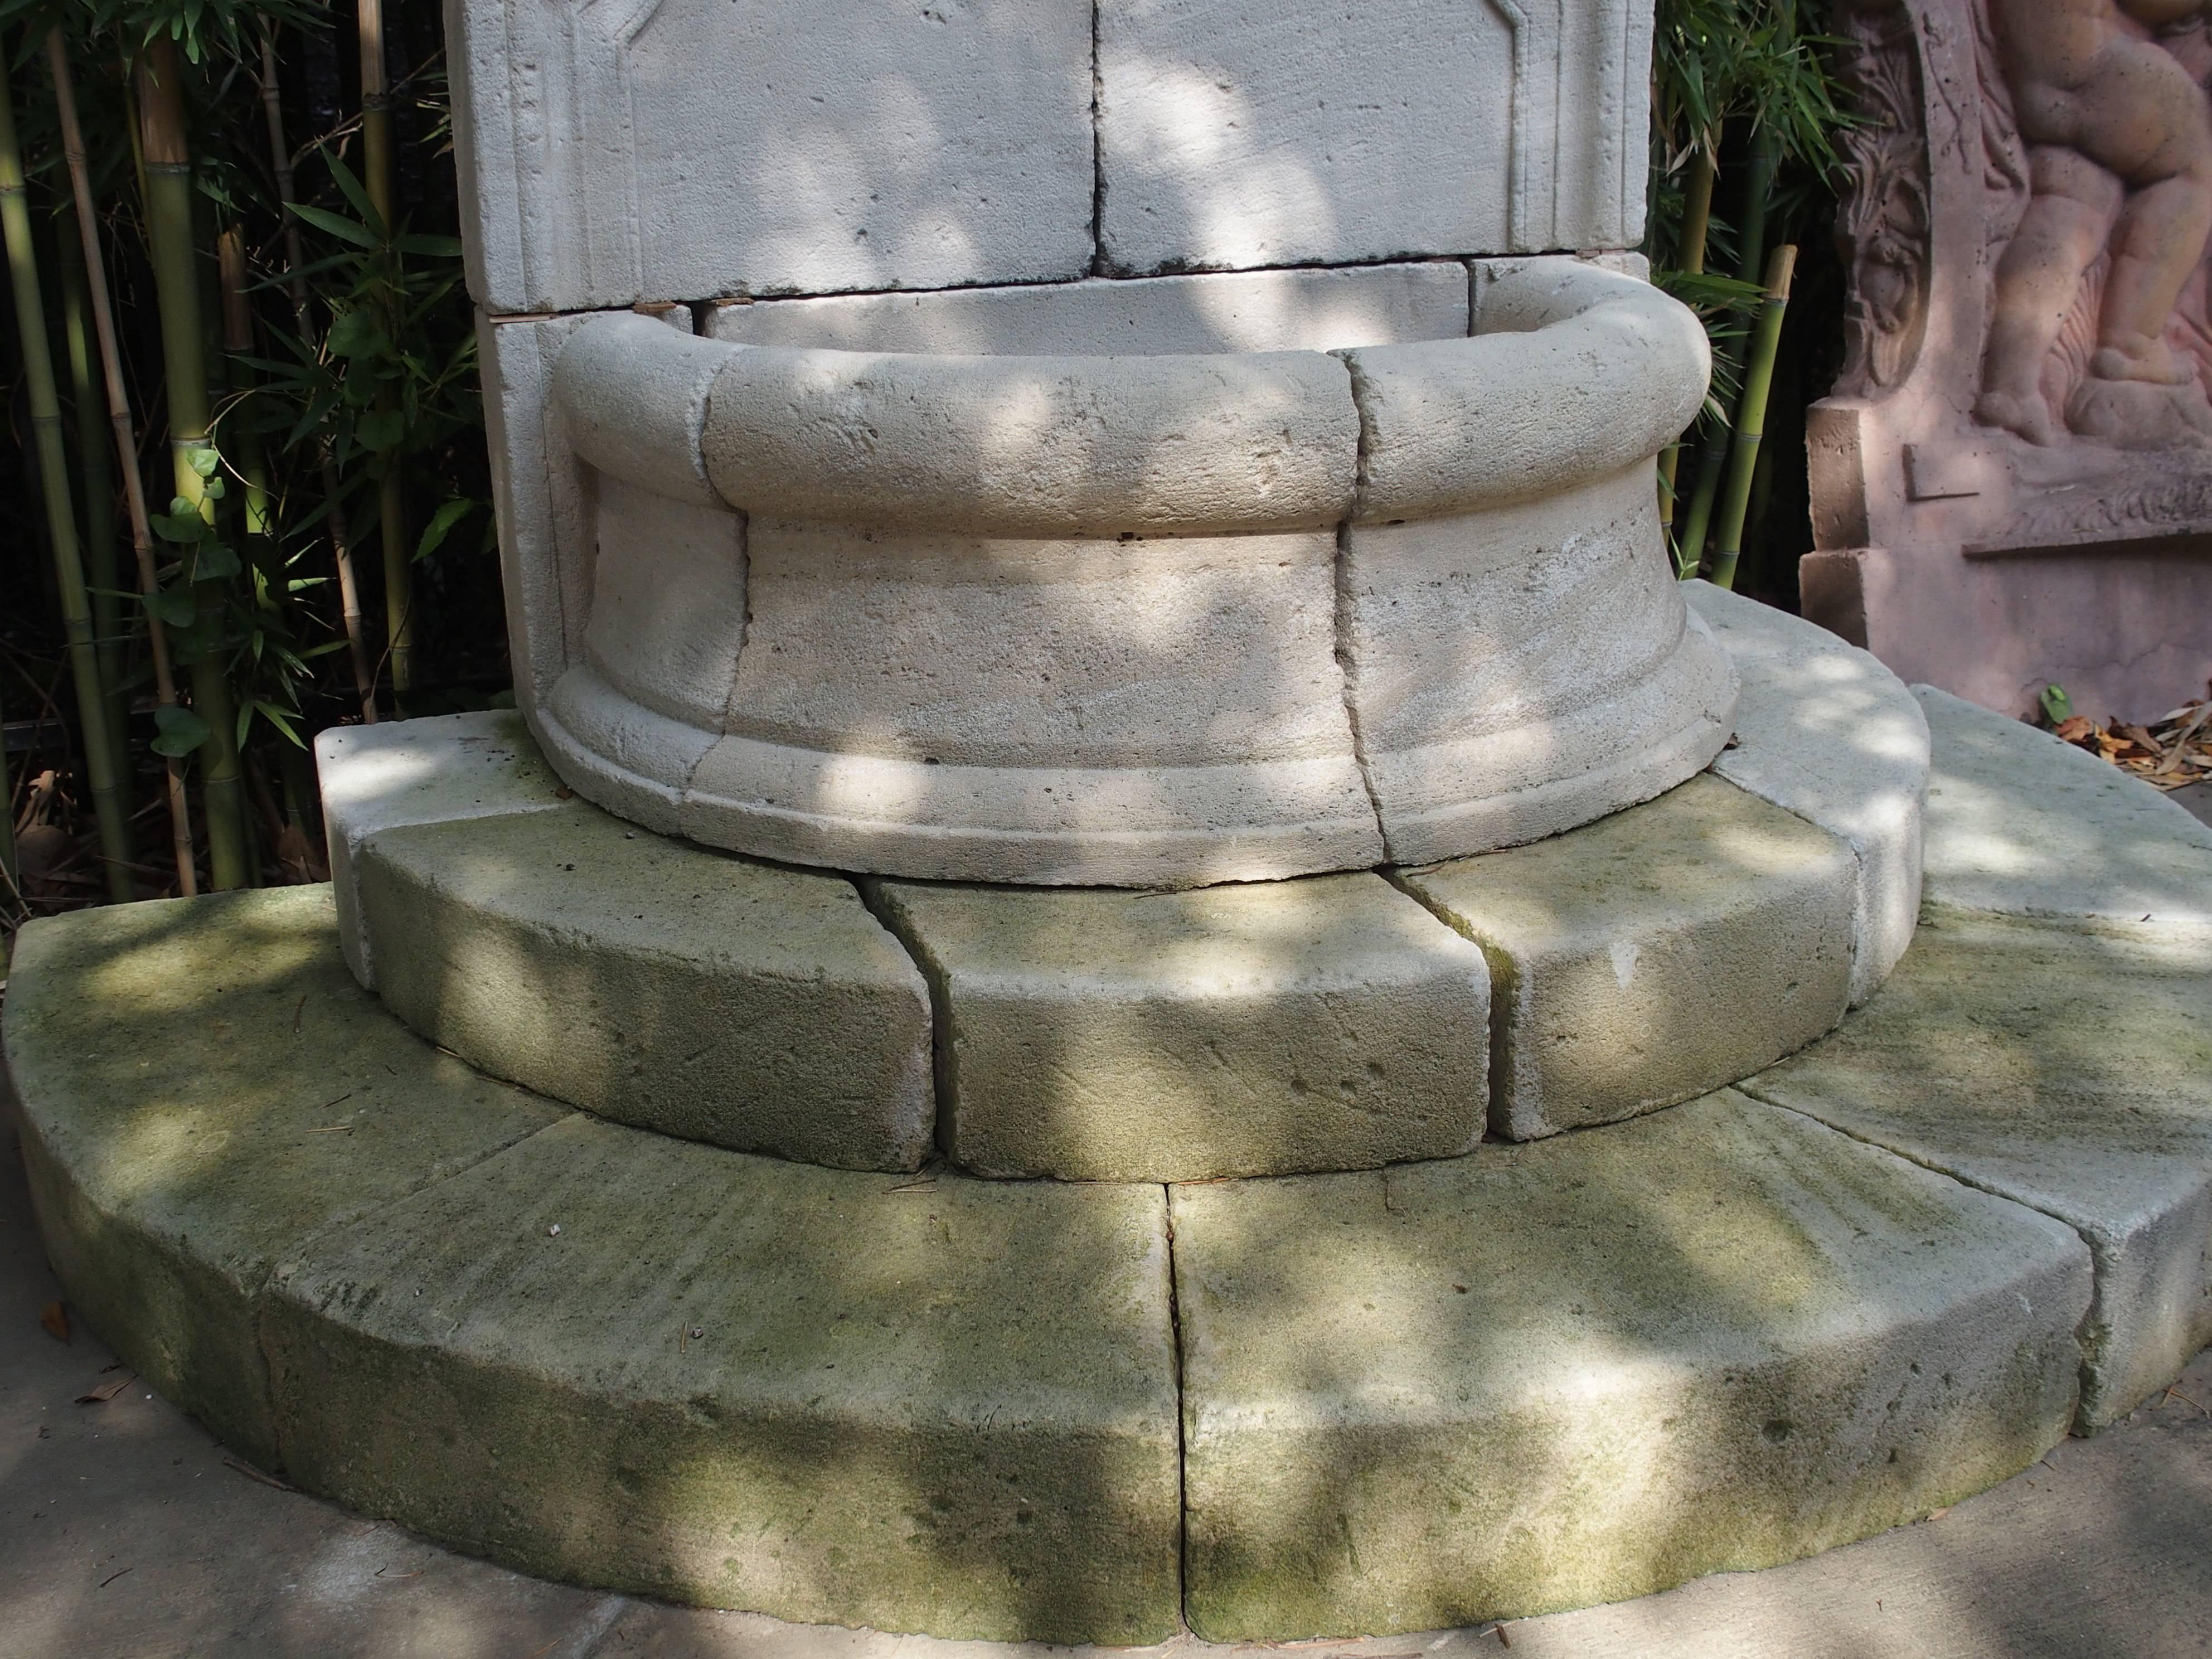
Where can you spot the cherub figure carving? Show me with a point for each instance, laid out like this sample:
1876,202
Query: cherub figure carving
2119,149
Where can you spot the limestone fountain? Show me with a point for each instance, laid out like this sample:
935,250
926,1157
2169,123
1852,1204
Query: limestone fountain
1108,760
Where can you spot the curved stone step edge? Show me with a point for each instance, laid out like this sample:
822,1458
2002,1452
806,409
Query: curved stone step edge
2065,1065
240,1249
2022,824
301,1111
1824,729
657,983
1583,1370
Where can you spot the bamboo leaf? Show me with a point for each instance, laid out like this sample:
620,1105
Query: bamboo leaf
334,224
441,522
180,732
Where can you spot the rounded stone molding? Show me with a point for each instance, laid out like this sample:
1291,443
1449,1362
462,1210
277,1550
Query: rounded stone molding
1138,620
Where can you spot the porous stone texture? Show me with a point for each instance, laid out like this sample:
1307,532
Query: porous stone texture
1232,134
1542,1377
203,1089
1514,671
1328,1023
656,983
1823,730
2020,822
948,628
945,1405
2068,1067
1304,310
687,150
1652,956
1061,445
440,770
1022,709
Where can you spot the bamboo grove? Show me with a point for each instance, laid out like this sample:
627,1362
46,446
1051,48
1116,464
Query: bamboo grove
251,486
243,394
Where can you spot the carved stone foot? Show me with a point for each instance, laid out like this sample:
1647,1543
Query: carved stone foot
2027,416
2152,362
2140,415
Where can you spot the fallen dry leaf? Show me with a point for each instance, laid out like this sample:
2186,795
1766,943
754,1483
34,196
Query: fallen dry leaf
107,1391
54,1319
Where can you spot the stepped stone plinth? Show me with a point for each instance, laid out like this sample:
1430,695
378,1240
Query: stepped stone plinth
1130,962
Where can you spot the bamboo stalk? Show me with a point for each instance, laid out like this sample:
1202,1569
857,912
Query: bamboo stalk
109,812
252,466
391,491
280,158
103,563
126,441
1690,257
176,286
1750,417
1712,459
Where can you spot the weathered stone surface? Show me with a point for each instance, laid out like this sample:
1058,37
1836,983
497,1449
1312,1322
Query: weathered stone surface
1304,310
203,1088
945,1405
1541,1377
657,983
631,759
1823,730
1022,709
1519,670
2068,1068
439,769
1576,372
1328,1023
2020,822
1235,135
1652,956
1055,446
689,150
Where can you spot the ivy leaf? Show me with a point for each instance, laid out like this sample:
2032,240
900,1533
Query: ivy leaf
356,334
441,522
181,732
380,430
173,605
204,459
179,526
216,560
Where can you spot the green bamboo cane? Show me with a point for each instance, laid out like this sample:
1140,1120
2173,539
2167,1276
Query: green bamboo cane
391,489
1750,418
183,357
109,811
1689,259
102,557
1751,250
126,441
295,261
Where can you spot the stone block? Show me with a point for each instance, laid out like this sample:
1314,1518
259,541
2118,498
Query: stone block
2020,822
1305,310
1022,447
1545,1375
1235,135
668,603
2068,1067
1328,1023
203,1088
943,1405
1652,956
1823,730
657,983
1516,671
686,150
1022,709
437,769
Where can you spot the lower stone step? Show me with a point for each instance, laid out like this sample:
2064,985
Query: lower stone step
1719,1335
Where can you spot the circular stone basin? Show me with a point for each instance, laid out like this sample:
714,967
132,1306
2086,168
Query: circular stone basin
1139,621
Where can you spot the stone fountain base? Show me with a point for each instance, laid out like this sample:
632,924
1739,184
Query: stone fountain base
1885,1273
